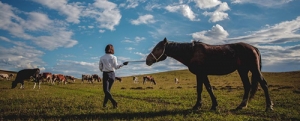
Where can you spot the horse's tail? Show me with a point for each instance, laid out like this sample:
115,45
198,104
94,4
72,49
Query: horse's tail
254,81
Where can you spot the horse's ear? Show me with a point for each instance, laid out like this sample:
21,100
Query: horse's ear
165,40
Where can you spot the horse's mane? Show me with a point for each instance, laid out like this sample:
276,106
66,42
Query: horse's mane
179,48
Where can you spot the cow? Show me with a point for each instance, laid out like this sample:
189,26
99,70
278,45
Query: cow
135,79
149,78
26,74
70,78
96,77
4,76
176,80
89,78
47,76
118,78
60,78
10,76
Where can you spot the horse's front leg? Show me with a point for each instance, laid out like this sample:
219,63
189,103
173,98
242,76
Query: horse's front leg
199,92
211,94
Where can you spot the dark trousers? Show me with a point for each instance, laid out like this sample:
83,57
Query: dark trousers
108,81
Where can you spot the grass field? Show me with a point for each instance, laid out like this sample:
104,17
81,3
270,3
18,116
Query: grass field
164,101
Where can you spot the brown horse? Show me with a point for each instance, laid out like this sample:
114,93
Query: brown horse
203,60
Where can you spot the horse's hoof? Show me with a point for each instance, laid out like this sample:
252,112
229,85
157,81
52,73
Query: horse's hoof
238,108
213,108
269,109
196,108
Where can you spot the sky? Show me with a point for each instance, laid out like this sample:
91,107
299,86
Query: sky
69,36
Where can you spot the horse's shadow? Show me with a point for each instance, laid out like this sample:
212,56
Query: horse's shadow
103,116
116,115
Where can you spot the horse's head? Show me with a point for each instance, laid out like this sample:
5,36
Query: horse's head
158,53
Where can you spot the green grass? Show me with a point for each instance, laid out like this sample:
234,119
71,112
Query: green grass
164,101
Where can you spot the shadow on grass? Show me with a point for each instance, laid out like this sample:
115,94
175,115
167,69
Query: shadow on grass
103,116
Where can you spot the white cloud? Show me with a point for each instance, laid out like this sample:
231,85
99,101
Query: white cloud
78,68
128,41
131,3
36,21
144,19
185,10
206,4
52,33
216,35
152,5
287,31
141,54
274,45
136,40
218,14
71,10
101,31
129,48
57,39
223,7
19,56
4,39
266,3
106,13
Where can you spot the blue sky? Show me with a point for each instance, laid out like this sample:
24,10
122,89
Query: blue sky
69,36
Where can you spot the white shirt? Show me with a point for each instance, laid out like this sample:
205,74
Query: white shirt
108,62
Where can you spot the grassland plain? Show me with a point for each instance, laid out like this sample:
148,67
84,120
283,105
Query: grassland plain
164,101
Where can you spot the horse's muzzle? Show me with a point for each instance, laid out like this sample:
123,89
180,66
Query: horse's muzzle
149,62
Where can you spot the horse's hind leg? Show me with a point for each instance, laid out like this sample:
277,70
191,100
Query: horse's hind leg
247,86
264,86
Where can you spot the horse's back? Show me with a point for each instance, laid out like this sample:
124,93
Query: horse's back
223,59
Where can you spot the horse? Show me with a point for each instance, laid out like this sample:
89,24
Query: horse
149,78
203,59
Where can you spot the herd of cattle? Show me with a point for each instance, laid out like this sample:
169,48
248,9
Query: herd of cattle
38,78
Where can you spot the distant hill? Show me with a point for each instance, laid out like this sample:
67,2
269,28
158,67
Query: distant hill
5,71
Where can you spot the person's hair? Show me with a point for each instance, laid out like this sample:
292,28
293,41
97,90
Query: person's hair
109,49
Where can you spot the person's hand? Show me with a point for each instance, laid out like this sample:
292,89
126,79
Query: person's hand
125,63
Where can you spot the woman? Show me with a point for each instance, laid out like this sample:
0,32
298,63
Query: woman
108,64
